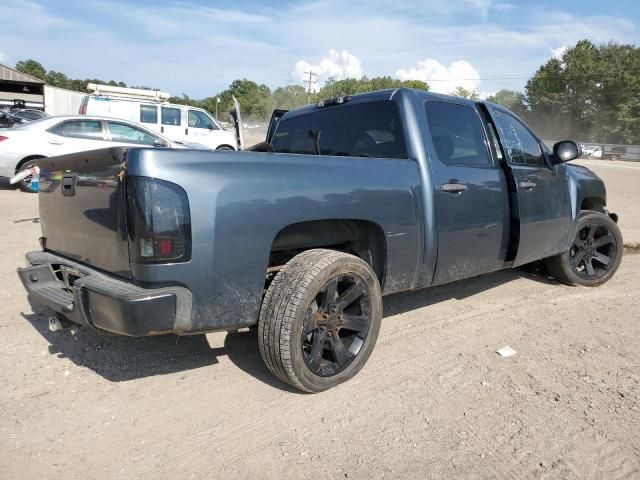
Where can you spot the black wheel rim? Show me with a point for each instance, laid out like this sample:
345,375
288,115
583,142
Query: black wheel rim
336,325
593,252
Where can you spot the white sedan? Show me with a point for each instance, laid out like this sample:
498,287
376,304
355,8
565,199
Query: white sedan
21,146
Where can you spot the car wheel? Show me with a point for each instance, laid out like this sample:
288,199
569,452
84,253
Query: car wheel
224,147
320,319
595,254
25,183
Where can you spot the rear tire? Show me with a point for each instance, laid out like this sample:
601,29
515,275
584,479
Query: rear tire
320,319
595,254
25,184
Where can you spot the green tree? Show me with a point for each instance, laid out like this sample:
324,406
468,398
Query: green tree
464,93
255,100
591,94
351,86
416,84
32,67
57,79
510,99
289,97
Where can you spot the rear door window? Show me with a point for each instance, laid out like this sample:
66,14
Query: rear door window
521,147
170,116
456,133
88,129
199,119
121,132
148,114
371,129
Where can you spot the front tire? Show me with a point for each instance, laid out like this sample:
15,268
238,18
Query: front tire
595,254
320,319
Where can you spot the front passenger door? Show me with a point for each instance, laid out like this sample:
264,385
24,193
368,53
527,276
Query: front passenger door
128,134
544,205
471,196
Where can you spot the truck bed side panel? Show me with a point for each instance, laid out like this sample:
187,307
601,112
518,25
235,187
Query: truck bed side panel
240,201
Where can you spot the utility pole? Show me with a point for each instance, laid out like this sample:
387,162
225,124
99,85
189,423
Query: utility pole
310,82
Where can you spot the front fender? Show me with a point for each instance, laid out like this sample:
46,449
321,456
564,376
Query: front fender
587,192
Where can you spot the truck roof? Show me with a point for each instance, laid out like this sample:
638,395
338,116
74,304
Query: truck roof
386,94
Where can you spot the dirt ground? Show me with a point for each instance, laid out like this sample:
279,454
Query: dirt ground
434,400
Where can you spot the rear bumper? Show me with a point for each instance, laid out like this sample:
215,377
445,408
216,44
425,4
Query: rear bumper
93,298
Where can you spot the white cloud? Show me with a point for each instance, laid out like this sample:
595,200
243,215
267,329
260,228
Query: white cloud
442,79
338,64
4,58
558,52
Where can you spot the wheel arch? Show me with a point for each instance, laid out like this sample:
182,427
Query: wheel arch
26,159
225,146
362,238
594,203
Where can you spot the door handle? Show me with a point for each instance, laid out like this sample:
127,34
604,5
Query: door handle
55,142
453,187
527,185
162,129
186,131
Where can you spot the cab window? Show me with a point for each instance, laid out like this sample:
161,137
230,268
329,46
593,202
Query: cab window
121,132
87,129
521,148
371,129
198,119
170,116
148,114
456,133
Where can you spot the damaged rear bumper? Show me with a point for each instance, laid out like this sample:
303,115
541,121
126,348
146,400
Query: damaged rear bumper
89,297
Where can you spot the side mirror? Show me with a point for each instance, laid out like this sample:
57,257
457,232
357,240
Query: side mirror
160,143
566,151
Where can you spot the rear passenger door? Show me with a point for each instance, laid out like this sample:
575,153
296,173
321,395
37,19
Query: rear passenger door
172,124
543,202
72,136
149,117
471,193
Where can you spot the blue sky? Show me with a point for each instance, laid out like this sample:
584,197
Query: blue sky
198,48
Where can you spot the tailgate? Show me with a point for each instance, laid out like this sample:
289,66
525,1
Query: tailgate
82,208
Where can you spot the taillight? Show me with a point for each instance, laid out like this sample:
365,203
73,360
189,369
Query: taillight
2,139
158,221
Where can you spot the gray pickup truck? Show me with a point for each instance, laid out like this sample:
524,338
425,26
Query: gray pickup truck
348,200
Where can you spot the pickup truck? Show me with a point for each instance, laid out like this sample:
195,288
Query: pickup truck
348,200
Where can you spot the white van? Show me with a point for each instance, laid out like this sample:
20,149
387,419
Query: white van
180,123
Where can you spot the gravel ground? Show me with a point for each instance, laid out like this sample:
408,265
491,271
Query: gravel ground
434,401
